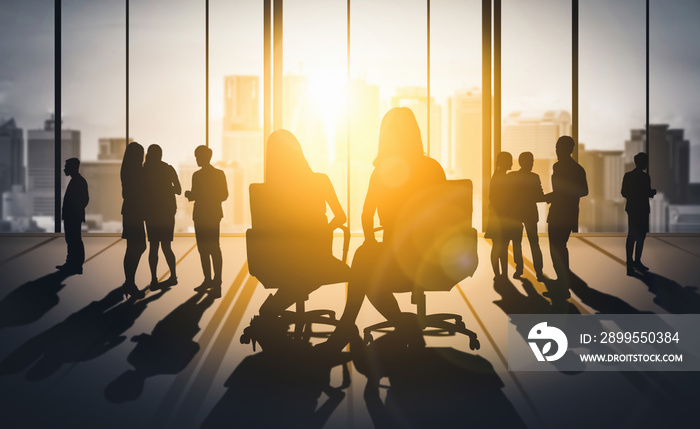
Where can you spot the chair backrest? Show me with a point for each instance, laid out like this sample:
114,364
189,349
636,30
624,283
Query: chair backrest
434,242
287,238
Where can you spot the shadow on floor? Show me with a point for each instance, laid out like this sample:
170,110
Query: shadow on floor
84,335
433,388
31,301
281,389
670,295
167,350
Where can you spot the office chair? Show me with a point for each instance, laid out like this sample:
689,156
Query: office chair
435,247
284,252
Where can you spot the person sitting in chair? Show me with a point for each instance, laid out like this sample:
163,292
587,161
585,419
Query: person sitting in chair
300,196
401,170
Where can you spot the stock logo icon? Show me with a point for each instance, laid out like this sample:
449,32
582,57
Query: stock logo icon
553,335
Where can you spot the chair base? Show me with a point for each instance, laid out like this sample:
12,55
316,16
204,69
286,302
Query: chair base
290,326
432,325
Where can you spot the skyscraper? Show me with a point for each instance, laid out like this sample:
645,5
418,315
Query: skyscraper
40,165
464,153
669,160
603,210
11,157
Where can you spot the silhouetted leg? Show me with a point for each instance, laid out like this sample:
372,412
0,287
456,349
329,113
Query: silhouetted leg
74,244
203,247
132,256
153,260
385,302
638,250
495,252
534,240
275,304
169,258
217,262
558,237
629,249
518,252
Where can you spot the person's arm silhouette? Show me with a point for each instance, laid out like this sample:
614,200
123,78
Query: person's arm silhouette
339,217
369,209
177,188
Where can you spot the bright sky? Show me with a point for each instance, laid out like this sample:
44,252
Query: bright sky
388,48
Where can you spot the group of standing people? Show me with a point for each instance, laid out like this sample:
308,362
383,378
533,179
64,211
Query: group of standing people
149,189
513,205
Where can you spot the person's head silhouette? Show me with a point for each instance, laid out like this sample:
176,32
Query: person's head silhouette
399,137
72,166
565,147
284,159
203,155
526,160
133,159
641,161
154,154
504,161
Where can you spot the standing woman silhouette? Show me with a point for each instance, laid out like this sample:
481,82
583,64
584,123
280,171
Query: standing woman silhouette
133,214
401,170
500,227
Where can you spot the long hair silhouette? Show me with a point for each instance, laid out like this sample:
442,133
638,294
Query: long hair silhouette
285,159
399,137
132,161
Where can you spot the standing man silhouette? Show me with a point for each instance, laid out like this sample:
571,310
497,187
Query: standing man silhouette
527,192
568,186
208,192
73,214
636,188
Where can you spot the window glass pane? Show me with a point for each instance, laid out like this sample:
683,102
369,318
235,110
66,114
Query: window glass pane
315,85
612,105
167,84
235,105
536,81
455,89
388,68
94,101
26,105
674,154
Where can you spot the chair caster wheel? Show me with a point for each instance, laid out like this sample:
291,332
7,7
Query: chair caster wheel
474,344
369,339
245,339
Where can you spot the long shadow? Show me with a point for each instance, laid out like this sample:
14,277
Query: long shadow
670,295
281,389
31,301
167,350
84,335
514,302
601,302
433,388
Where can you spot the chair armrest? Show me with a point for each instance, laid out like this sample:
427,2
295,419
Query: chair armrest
346,241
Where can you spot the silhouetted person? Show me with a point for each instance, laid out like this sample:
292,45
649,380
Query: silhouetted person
161,183
527,192
568,186
501,224
636,188
208,192
301,195
401,170
133,214
73,214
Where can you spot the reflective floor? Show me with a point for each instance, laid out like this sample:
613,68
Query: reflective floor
74,353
